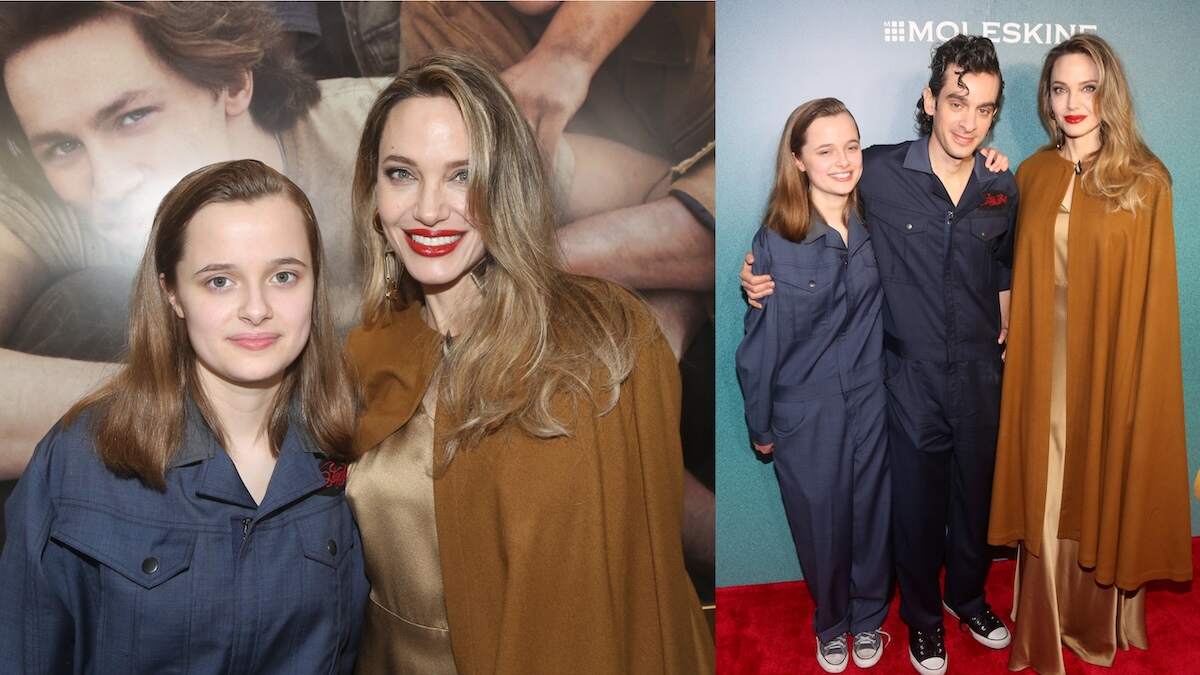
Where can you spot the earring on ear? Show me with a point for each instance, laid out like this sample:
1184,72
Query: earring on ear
391,275
391,266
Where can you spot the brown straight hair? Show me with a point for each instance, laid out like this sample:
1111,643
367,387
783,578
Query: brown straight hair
1124,157
789,209
138,415
538,331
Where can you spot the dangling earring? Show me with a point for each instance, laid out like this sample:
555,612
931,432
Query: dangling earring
391,276
479,272
391,267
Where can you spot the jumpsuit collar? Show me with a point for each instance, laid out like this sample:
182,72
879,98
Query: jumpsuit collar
856,232
295,473
917,159
200,443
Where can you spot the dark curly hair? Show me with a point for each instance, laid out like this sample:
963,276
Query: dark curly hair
971,53
211,44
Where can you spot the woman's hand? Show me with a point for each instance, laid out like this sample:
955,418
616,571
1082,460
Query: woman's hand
997,161
764,449
756,286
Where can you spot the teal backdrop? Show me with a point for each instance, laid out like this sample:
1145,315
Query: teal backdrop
874,56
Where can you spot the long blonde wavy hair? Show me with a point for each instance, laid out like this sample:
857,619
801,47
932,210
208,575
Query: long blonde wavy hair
1123,157
538,331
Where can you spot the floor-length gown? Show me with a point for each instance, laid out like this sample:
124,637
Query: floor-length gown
1055,601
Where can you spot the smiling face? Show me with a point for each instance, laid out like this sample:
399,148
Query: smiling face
1074,80
962,115
421,188
112,127
244,288
831,156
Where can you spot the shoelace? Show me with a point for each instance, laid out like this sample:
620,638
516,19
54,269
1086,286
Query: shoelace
867,639
927,647
836,646
983,623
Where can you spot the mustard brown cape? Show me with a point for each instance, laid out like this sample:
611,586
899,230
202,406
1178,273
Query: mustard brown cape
1125,478
560,555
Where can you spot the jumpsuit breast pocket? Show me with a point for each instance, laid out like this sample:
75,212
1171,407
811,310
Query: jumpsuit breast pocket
805,297
864,274
901,240
144,592
329,572
986,231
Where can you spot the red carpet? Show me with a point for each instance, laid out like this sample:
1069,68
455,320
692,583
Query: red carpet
767,629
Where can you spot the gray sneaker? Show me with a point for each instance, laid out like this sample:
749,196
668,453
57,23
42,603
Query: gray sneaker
832,656
868,647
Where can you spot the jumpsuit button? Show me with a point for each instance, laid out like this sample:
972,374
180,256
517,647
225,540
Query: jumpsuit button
908,226
332,546
150,565
983,235
812,283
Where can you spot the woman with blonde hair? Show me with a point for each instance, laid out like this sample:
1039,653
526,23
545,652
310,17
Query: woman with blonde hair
190,514
811,372
1091,467
520,491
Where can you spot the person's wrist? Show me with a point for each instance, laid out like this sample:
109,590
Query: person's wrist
573,57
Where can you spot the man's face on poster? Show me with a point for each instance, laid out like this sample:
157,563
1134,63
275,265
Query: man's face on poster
113,127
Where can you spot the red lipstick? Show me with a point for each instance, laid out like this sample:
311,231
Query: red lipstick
254,342
1074,119
433,243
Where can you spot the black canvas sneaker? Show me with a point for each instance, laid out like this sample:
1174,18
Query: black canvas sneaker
987,628
927,651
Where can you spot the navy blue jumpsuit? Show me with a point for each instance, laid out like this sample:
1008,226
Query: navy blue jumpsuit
102,574
811,373
943,266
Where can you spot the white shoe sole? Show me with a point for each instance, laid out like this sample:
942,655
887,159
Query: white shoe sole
928,671
867,663
985,641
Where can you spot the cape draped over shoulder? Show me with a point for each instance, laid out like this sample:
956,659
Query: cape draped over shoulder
558,555
1125,482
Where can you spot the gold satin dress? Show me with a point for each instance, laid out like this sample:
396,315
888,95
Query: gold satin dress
1055,601
391,493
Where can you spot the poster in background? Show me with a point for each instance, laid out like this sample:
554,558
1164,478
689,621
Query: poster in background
875,58
104,109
